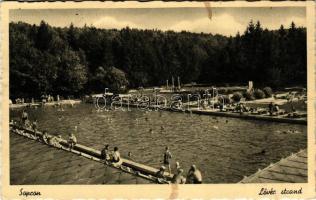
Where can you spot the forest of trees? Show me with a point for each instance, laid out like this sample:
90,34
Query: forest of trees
77,61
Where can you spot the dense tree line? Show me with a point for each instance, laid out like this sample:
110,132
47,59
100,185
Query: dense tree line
76,61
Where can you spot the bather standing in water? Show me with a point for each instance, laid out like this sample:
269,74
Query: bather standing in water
166,158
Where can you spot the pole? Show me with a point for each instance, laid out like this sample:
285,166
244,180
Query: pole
179,87
172,83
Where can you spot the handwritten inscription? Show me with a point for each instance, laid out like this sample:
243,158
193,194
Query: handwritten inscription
285,191
29,193
265,191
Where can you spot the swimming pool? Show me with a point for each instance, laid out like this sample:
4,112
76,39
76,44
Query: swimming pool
224,149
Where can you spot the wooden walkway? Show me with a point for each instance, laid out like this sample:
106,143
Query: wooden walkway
292,169
34,163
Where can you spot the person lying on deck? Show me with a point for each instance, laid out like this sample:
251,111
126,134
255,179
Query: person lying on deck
72,140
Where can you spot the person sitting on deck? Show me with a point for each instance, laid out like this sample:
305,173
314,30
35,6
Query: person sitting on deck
177,166
24,117
28,124
166,158
179,178
116,159
161,172
45,137
55,141
194,175
72,140
105,153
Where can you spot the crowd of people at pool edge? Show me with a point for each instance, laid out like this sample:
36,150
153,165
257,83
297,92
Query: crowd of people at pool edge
45,138
194,175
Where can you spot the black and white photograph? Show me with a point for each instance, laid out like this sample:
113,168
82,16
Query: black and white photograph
159,95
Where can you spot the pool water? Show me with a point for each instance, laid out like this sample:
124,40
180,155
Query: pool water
224,149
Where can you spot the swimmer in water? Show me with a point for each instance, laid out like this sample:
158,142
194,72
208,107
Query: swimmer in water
60,118
130,155
261,153
151,130
162,128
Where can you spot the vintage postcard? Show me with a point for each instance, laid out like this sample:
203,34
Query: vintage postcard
167,100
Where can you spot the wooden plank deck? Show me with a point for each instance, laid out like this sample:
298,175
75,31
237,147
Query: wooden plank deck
292,169
34,163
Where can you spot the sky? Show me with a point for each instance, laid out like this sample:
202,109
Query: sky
225,21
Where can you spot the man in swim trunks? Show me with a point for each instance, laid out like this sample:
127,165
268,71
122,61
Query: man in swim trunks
166,158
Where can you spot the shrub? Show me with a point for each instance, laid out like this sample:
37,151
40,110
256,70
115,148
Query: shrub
248,96
237,96
268,91
259,94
